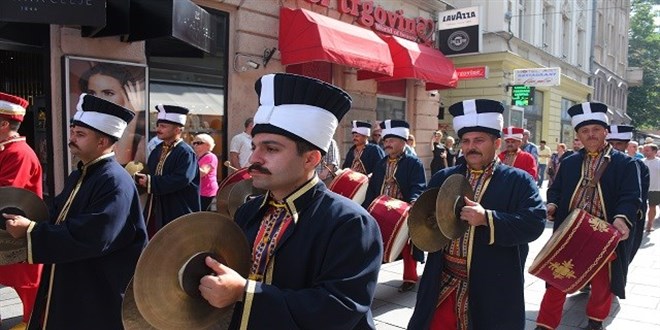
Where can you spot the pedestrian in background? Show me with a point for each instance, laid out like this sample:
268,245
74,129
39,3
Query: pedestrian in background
544,158
240,147
208,169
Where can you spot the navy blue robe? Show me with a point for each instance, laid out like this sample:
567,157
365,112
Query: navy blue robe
620,189
176,191
92,253
498,251
324,270
370,156
409,175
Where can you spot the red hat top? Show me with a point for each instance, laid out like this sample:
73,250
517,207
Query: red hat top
12,107
512,132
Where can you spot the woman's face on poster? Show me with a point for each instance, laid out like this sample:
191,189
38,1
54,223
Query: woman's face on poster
108,88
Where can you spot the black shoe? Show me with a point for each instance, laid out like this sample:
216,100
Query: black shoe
538,327
406,286
594,325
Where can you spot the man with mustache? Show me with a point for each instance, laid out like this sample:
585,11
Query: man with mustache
315,254
513,155
400,176
362,156
476,282
173,182
605,183
92,242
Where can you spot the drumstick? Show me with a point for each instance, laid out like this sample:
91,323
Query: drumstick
228,164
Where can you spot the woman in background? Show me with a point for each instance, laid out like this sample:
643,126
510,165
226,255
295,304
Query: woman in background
208,166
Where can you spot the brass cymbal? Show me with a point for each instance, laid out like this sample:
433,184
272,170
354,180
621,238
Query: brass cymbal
422,223
170,267
449,203
233,195
130,315
23,202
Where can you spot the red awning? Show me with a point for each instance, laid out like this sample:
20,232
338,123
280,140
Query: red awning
417,61
306,36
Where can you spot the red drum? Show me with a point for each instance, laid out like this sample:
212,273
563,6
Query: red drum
350,184
392,217
238,175
225,189
581,246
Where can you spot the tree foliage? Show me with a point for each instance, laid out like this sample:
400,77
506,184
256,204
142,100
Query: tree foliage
644,52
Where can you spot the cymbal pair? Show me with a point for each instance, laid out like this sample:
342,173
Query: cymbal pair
434,219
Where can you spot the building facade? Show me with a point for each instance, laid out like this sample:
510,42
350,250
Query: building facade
531,34
206,55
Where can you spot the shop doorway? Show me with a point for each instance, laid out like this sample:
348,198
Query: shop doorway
24,71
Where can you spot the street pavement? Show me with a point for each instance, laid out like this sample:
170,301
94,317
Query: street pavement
392,310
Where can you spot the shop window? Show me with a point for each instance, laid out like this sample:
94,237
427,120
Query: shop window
194,80
389,107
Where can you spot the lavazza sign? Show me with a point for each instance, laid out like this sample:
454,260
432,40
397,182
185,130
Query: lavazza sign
375,17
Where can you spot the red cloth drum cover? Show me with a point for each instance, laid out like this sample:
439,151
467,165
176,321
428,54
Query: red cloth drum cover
238,175
392,217
350,184
581,246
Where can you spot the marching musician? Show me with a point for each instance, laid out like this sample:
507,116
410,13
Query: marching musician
21,169
605,183
363,155
173,182
92,242
400,176
618,137
476,281
315,254
513,155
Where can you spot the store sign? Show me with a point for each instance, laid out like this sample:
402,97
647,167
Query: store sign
375,17
522,95
537,77
473,72
64,12
180,19
459,32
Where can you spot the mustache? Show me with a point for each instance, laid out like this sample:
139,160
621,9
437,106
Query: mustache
257,167
473,152
72,145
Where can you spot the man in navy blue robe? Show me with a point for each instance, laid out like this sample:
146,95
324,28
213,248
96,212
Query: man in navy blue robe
476,282
315,254
363,155
91,245
401,176
173,182
615,198
618,137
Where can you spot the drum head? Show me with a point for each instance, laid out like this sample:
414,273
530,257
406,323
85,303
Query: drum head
157,285
350,184
233,195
